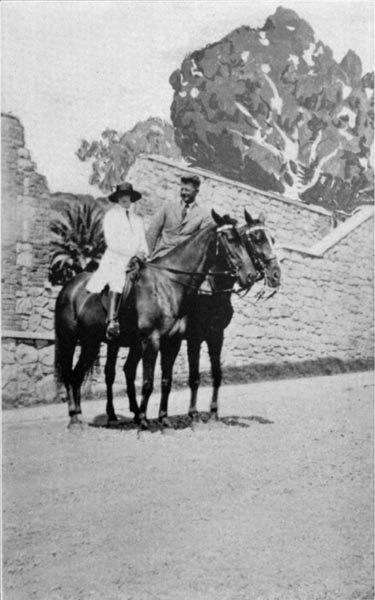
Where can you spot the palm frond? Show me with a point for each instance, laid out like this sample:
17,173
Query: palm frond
77,240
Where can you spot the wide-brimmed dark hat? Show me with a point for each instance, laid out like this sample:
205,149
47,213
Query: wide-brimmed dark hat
124,189
194,179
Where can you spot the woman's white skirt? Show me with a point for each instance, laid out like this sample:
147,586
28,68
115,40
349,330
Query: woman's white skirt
111,271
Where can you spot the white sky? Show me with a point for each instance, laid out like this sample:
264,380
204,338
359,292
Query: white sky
72,69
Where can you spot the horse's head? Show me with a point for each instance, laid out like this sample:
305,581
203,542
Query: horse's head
231,250
260,246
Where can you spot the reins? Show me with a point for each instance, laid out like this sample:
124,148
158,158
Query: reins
195,273
228,273
180,272
259,263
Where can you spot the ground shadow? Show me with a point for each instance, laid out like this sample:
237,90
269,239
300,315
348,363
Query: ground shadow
177,422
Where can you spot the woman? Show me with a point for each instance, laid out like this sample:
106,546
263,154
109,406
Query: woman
124,235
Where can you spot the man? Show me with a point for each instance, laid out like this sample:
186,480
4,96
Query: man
176,221
124,235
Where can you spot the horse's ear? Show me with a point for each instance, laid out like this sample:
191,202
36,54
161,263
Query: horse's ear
248,217
216,217
262,218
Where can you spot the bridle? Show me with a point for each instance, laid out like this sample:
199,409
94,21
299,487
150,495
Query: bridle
232,272
260,262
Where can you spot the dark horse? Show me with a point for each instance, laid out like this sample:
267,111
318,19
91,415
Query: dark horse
210,312
154,318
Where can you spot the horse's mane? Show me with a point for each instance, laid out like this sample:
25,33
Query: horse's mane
181,246
226,220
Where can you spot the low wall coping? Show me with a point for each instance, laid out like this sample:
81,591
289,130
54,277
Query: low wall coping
28,335
244,186
333,237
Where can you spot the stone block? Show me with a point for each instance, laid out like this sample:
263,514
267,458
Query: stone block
8,356
30,370
47,324
25,259
41,301
26,354
46,389
35,291
24,306
9,394
34,322
47,356
26,394
9,373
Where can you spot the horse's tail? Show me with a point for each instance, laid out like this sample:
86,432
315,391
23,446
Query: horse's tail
65,339
58,358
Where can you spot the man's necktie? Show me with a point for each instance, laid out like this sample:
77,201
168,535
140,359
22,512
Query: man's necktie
184,211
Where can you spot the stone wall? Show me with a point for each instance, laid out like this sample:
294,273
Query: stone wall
322,313
27,297
25,209
159,181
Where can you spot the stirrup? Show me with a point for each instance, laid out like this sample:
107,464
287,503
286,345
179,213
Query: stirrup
113,329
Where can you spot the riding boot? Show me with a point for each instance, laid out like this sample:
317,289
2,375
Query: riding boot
113,327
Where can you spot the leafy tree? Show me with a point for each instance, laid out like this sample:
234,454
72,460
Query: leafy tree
271,107
77,241
113,154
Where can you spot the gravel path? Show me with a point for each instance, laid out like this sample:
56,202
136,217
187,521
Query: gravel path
275,503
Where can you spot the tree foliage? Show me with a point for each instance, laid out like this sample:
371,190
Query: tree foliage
77,241
271,107
112,155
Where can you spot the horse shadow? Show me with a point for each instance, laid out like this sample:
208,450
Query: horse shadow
179,422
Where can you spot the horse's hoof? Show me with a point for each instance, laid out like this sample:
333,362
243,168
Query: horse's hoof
194,416
166,423
75,423
144,424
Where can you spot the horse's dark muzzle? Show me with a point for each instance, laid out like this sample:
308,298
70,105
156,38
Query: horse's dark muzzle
274,277
251,279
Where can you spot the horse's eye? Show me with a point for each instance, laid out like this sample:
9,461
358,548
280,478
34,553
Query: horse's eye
273,240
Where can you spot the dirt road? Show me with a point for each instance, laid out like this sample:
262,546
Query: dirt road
274,504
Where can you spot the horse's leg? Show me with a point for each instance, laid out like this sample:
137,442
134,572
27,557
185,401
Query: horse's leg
169,349
110,374
89,352
130,371
65,345
193,350
215,345
150,348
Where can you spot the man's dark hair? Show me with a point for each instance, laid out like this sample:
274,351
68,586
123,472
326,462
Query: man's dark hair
194,179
